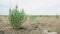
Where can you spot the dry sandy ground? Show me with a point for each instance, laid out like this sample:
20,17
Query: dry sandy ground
35,26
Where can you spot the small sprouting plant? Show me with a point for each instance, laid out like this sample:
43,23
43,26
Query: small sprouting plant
16,18
0,19
32,17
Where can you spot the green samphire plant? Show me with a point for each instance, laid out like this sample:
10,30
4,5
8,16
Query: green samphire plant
16,17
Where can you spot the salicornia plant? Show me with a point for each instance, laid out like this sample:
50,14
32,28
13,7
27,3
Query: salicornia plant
16,17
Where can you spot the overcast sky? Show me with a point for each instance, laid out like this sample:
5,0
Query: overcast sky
32,7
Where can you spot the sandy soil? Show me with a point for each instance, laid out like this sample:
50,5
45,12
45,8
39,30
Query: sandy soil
35,26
